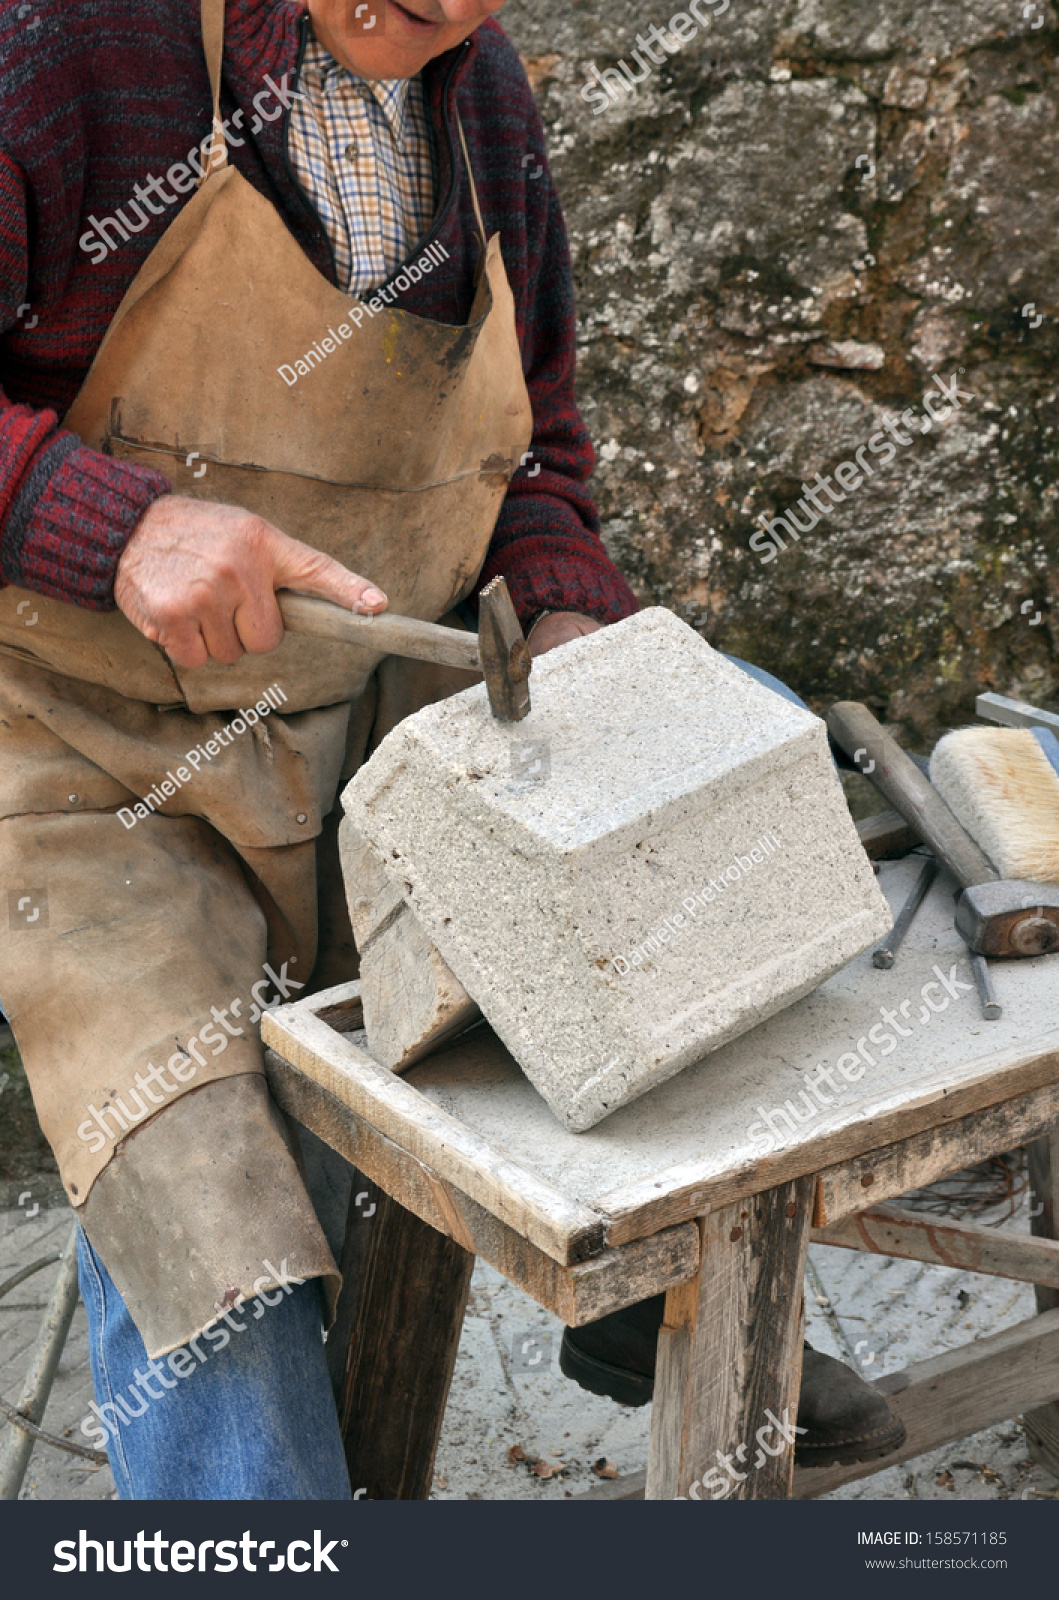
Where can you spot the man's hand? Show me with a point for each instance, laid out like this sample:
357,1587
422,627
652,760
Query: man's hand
559,627
200,579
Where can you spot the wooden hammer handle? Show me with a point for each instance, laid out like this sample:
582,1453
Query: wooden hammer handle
390,634
853,727
498,651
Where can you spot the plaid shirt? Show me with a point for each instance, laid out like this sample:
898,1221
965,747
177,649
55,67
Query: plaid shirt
373,178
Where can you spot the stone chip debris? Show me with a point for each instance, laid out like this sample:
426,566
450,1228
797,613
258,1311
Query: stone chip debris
675,864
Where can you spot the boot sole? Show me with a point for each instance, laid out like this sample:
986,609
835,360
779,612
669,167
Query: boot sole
634,1389
600,1377
851,1451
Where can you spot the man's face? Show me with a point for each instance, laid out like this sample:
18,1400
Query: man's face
387,39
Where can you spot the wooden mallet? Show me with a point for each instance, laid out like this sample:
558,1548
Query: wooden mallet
996,916
498,650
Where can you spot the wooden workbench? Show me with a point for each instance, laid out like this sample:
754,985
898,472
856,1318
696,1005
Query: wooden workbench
678,1193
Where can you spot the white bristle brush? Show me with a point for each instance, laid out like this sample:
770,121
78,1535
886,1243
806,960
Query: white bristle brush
1003,785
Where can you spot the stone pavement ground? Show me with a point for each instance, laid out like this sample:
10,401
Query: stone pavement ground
895,1311
517,1430
26,1236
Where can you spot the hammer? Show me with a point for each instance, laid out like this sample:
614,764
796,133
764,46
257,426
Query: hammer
498,651
996,916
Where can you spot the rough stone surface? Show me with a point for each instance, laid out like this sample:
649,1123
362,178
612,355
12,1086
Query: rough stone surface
682,867
704,1123
868,188
411,999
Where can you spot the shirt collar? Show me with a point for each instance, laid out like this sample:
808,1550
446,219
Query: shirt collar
391,94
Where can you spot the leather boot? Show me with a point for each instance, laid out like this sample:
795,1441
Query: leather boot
846,1420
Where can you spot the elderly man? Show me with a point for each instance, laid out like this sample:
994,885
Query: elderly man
304,308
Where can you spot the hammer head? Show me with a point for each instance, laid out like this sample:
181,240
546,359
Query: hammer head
504,654
1010,917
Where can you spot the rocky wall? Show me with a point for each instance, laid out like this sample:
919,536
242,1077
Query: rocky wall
797,219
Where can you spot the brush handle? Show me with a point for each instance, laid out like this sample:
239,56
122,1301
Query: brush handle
1014,713
896,776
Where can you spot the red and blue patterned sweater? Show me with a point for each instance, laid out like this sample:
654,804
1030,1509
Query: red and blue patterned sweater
95,96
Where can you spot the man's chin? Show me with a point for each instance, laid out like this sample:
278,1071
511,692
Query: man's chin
375,64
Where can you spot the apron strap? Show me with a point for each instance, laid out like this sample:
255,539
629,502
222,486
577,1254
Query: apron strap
474,191
213,45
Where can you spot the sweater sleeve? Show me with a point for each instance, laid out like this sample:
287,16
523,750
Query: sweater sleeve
547,540
66,512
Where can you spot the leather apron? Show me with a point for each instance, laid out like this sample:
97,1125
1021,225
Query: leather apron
135,991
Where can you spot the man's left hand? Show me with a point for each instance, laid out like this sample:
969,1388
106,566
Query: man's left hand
558,628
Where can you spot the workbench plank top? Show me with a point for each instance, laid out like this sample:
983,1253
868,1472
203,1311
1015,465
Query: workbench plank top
687,1145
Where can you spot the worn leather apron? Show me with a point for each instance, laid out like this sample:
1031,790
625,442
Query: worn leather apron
394,457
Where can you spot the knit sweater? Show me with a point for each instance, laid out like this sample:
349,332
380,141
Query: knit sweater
99,96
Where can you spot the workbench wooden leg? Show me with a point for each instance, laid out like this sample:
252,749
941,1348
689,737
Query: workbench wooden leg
394,1343
1042,1425
730,1356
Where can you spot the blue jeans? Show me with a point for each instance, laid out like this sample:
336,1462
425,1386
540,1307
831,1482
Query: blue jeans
252,1419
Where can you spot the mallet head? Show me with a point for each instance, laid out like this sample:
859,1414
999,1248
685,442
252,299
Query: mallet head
1010,917
504,653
